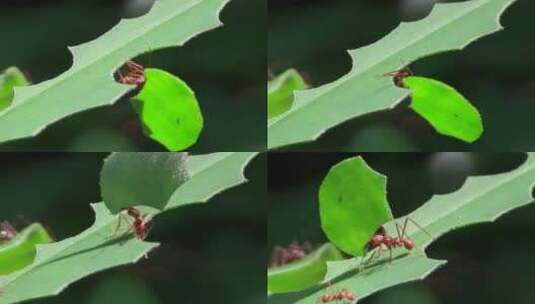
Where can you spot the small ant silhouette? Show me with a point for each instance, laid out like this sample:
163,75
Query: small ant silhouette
135,74
341,295
141,225
7,231
399,75
381,241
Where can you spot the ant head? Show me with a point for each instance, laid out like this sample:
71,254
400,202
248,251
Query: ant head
133,212
399,75
408,244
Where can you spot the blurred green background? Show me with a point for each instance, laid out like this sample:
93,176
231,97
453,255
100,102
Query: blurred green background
495,73
209,253
225,67
488,263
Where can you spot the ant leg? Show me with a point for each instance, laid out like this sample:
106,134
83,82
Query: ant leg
419,227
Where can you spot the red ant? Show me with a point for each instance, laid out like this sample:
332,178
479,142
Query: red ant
341,295
7,231
141,225
399,75
382,241
135,74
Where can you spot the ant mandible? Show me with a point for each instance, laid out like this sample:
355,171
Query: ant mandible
341,295
135,74
382,241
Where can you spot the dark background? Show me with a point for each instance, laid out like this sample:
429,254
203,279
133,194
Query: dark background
225,67
488,263
494,73
209,253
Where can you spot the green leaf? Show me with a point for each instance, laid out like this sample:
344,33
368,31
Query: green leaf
58,264
281,92
169,110
101,246
480,199
209,175
304,273
89,82
450,26
10,78
353,205
19,252
444,108
141,178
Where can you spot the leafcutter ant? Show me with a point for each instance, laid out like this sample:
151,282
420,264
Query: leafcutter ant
7,231
341,295
141,225
381,240
131,73
399,75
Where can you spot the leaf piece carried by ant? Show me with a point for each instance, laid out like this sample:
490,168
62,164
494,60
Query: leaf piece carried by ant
129,179
281,92
168,110
449,112
302,274
10,78
20,251
353,205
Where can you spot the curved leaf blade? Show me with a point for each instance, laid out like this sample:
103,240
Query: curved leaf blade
9,79
353,205
169,110
304,273
450,26
444,108
89,82
281,92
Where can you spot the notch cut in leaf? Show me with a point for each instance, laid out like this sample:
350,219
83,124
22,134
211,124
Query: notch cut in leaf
353,205
449,112
281,92
10,78
168,110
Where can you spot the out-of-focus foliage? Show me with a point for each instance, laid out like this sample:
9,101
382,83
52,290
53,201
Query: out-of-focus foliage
10,78
233,99
496,72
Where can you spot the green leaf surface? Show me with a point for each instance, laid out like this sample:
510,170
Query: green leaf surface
101,246
353,205
169,110
210,174
444,108
480,199
281,92
10,78
89,82
19,252
141,178
450,26
304,273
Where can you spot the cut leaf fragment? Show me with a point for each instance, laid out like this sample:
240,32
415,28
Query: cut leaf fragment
10,78
169,110
20,251
281,92
304,273
141,178
353,205
444,108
